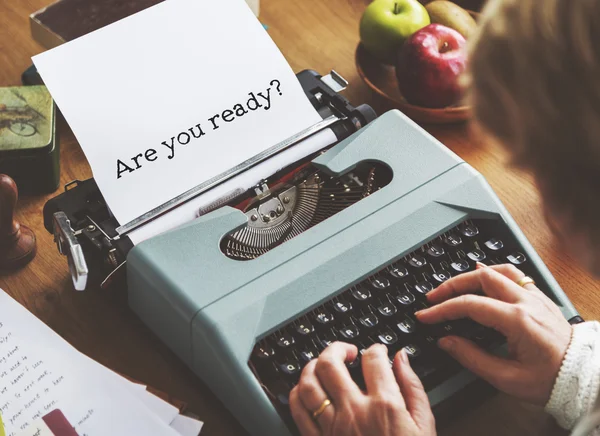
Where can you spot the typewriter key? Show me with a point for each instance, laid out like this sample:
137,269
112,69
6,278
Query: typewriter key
360,293
460,265
305,328
349,331
342,306
290,367
469,230
494,244
387,309
379,283
412,351
264,351
516,258
369,320
453,240
323,316
436,250
407,326
476,255
424,287
309,353
417,261
355,363
405,297
388,337
441,276
285,340
327,339
398,271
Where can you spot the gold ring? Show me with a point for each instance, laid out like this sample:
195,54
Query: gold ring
526,281
321,409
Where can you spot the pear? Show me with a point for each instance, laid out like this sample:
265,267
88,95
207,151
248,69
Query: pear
451,15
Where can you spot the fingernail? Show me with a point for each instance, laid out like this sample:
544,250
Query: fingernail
420,312
480,265
404,357
446,343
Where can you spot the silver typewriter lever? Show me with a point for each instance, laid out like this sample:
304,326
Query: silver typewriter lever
335,81
66,241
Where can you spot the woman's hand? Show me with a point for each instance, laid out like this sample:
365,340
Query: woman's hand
395,402
537,333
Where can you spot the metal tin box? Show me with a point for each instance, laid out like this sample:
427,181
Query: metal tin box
29,151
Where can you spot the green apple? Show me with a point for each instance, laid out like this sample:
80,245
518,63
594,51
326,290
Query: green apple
386,24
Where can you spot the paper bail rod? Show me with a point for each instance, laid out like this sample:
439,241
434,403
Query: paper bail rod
232,172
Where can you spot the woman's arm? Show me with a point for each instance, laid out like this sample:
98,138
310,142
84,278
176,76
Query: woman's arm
576,387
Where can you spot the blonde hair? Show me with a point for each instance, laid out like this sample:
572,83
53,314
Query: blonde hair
534,85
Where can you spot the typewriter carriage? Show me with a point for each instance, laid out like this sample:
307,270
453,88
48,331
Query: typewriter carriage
88,232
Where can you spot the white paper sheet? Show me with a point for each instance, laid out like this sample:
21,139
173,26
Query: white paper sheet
60,349
35,380
164,411
186,426
144,92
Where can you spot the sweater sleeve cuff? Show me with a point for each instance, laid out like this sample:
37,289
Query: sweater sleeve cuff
578,380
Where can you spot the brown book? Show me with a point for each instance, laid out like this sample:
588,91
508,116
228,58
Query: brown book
66,20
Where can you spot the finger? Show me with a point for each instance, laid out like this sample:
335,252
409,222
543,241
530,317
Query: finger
512,273
333,373
312,395
484,310
413,392
492,283
496,370
377,372
302,417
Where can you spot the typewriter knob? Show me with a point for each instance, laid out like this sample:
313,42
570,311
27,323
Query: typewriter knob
17,242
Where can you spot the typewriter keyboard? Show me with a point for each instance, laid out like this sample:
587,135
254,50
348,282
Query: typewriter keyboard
380,309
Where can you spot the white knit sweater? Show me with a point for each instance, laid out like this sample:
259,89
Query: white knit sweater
576,386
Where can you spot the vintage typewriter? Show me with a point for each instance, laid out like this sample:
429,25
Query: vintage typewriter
343,245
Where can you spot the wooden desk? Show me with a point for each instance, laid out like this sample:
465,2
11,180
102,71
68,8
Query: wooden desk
313,34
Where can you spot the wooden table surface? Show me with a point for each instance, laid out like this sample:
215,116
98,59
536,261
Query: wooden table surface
312,34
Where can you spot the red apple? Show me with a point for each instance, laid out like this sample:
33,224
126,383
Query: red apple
429,64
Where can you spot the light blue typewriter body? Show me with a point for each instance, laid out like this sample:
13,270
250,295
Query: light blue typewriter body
210,310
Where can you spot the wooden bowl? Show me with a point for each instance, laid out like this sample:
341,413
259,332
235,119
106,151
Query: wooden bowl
381,78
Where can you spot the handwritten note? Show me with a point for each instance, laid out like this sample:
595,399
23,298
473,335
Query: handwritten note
26,383
37,377
168,98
